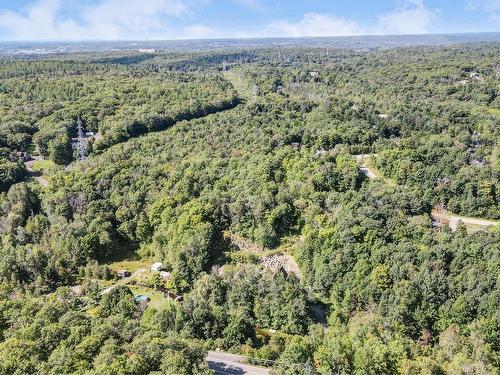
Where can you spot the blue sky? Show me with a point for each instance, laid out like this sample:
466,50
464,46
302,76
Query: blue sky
187,19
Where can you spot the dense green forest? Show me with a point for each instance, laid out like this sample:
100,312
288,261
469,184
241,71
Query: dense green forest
217,164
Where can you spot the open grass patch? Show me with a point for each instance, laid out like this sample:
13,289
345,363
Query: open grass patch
128,259
157,300
43,165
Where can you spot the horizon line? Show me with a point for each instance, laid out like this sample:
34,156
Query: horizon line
243,38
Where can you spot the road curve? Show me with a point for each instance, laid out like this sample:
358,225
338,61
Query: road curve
232,364
452,220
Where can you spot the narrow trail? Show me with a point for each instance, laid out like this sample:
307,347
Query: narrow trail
371,173
442,217
36,175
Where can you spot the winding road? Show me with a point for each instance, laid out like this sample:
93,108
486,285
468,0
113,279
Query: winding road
232,364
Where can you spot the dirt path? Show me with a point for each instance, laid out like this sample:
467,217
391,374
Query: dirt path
363,159
442,217
36,175
124,280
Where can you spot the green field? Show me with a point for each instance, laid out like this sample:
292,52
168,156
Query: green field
43,165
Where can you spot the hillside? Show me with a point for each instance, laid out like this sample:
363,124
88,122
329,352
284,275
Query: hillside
245,174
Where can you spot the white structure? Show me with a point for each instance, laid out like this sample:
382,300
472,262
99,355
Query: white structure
82,141
157,267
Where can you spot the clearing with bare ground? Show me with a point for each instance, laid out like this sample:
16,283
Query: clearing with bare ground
443,217
439,216
271,259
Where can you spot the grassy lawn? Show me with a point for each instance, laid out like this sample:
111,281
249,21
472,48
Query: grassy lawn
128,260
131,265
157,298
43,165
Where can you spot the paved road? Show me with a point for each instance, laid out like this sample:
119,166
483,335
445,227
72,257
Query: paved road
231,364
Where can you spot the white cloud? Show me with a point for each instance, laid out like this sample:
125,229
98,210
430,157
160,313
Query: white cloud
38,20
108,19
313,24
155,19
488,5
412,17
492,7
